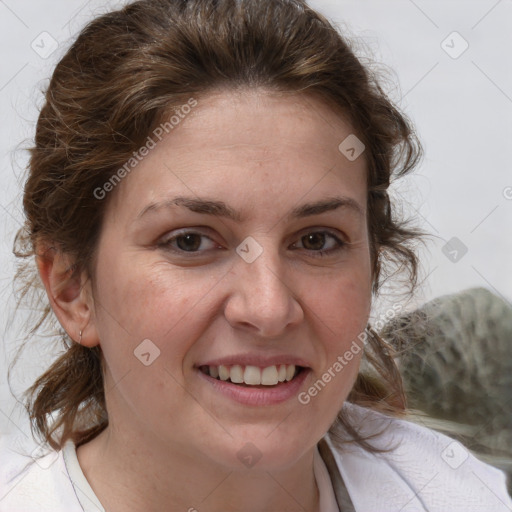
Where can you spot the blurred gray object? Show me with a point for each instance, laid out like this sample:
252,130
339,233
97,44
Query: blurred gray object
455,356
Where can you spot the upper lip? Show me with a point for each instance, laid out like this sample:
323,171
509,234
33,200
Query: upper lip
260,360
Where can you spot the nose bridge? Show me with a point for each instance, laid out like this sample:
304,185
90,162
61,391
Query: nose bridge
267,277
261,296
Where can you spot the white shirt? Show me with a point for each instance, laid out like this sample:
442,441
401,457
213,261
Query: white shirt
426,471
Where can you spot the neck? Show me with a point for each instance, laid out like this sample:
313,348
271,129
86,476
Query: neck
139,476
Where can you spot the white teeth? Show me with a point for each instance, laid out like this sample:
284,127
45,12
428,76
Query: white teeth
223,372
253,375
269,376
236,374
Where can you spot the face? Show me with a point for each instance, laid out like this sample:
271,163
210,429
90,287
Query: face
236,249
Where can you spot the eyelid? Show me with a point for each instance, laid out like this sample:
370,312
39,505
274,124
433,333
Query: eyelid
185,231
166,240
341,236
341,244
321,229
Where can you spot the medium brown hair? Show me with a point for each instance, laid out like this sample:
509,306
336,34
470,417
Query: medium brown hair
124,74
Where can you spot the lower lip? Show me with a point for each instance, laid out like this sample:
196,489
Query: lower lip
258,396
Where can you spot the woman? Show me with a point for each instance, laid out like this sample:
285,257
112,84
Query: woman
208,210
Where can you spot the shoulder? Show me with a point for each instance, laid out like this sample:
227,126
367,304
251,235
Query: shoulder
422,471
32,479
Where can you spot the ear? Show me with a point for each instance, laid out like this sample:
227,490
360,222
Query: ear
70,295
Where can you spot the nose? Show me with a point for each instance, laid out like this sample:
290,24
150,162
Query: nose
262,298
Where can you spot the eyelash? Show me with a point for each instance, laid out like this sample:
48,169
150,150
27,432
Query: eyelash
341,245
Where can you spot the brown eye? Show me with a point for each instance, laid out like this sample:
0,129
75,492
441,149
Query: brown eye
320,243
190,242
313,241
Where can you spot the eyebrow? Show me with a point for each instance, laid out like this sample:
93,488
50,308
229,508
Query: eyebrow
221,209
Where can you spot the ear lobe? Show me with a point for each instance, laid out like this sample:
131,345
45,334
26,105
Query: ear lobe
67,294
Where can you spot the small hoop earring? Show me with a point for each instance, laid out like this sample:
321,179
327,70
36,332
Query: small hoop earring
80,340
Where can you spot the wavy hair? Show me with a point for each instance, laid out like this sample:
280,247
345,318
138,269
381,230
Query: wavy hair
126,72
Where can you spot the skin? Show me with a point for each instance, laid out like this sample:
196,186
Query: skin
172,439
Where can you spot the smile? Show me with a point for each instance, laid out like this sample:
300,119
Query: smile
252,375
254,385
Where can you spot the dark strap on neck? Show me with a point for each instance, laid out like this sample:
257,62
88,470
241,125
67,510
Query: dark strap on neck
340,489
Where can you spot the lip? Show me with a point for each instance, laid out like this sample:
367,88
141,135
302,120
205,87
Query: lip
257,396
263,361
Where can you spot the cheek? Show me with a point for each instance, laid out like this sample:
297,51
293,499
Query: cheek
341,302
138,295
148,303
151,301
341,309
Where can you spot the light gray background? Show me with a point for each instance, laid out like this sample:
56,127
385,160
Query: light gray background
461,107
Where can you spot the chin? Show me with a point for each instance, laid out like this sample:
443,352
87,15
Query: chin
264,449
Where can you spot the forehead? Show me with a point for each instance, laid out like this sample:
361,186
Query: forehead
256,148
260,122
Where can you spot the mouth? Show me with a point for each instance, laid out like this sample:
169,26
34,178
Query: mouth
253,385
253,376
